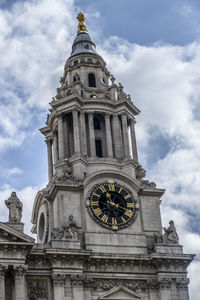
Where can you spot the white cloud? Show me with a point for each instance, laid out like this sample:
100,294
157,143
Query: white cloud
186,10
32,58
13,171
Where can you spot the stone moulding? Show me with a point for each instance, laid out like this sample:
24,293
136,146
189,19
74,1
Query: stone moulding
114,175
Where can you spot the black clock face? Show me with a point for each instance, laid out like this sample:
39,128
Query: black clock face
112,205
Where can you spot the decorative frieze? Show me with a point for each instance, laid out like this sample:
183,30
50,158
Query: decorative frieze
108,284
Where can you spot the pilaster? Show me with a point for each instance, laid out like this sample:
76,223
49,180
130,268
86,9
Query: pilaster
165,288
2,282
58,286
20,284
77,283
182,287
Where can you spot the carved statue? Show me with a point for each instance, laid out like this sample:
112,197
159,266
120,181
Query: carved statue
15,207
67,232
170,234
71,229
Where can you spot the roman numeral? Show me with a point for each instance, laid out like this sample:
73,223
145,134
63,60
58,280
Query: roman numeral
97,211
104,219
130,205
121,188
123,220
102,188
94,203
111,187
97,195
127,196
129,213
114,221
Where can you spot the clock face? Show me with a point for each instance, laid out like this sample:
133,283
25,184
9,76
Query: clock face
113,205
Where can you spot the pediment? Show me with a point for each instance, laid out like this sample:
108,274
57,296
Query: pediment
120,293
8,234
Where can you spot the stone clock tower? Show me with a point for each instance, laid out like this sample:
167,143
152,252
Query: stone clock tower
98,224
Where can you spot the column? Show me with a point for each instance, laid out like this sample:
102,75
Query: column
108,136
91,135
133,140
66,136
116,137
60,137
20,285
50,160
55,147
58,286
76,132
125,137
2,282
83,134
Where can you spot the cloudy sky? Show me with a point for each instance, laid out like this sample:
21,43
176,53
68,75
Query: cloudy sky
153,48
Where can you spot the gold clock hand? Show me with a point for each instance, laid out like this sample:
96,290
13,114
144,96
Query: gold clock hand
114,204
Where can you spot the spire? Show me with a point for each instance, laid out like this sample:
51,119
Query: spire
81,26
82,43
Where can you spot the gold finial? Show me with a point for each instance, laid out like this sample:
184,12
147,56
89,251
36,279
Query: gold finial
81,26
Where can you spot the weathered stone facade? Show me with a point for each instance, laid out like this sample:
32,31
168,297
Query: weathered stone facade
82,253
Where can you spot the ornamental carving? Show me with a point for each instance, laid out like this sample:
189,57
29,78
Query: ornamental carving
15,207
20,270
58,278
140,172
165,283
36,289
182,283
113,175
77,279
106,284
153,284
2,270
147,184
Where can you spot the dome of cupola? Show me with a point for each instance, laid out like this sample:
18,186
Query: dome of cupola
82,43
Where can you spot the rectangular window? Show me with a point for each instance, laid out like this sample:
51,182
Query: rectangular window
98,145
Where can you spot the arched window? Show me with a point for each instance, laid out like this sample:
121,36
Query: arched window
91,80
